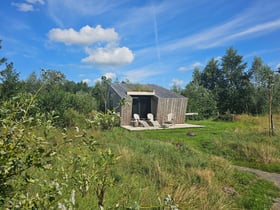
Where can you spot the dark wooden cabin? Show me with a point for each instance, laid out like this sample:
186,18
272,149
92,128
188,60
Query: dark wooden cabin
128,99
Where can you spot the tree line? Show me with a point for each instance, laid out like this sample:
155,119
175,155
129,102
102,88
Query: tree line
229,86
70,101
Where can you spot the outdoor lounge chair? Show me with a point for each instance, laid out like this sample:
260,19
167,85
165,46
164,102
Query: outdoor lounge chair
150,117
170,119
141,122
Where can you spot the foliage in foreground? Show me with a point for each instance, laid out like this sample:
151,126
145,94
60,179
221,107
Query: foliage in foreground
30,149
43,167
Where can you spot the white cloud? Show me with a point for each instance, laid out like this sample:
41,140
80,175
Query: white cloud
35,1
197,64
109,56
110,75
65,12
250,31
190,67
140,75
255,21
82,7
86,36
86,81
177,82
97,80
23,7
28,6
218,58
183,68
264,27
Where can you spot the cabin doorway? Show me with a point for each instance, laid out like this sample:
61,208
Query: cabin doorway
141,105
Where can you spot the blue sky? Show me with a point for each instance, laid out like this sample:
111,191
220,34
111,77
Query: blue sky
144,41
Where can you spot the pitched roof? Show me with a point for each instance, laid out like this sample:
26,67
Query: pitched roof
122,88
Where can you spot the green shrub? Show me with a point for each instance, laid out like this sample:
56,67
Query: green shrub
200,100
34,173
21,150
104,121
73,118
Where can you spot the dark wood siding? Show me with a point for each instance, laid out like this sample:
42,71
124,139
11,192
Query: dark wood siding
154,106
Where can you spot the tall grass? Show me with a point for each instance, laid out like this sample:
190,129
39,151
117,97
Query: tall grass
154,165
244,141
160,163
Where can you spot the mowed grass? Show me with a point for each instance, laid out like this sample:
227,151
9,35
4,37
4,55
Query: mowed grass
196,171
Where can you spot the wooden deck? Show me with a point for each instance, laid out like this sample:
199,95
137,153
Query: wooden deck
131,128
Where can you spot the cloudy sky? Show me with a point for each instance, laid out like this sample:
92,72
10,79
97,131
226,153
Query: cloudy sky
145,41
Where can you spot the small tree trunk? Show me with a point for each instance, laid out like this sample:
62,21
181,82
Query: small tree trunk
100,195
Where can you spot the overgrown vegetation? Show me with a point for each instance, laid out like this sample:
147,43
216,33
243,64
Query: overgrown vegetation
61,149
47,167
34,172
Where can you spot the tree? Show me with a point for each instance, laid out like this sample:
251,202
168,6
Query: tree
211,75
100,92
200,99
196,76
228,82
176,88
235,84
52,77
233,68
260,79
32,83
2,60
9,79
259,73
9,82
276,91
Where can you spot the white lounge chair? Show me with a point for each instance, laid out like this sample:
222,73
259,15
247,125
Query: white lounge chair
150,117
141,122
170,119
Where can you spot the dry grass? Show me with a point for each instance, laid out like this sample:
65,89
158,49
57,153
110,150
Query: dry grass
258,124
125,153
264,152
200,197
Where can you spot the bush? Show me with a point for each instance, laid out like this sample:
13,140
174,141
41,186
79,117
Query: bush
226,117
72,118
21,150
105,121
33,169
200,100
